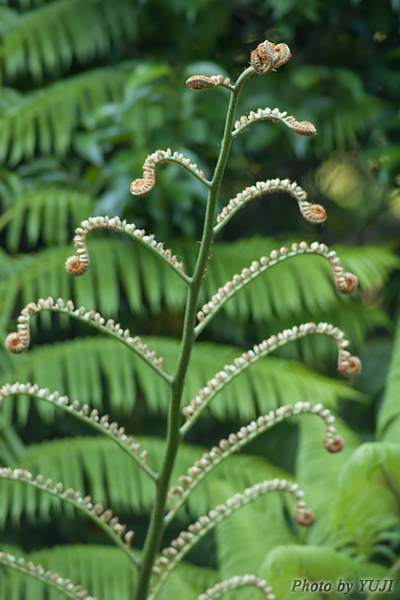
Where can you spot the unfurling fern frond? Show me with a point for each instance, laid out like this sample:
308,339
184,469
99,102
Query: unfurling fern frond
141,187
347,365
235,441
187,539
101,423
104,518
78,265
18,342
313,213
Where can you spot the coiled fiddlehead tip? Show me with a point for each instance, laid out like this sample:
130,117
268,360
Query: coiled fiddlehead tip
75,266
335,445
313,213
350,283
305,518
350,367
14,343
269,57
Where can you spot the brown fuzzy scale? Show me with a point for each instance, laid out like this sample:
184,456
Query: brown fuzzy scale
269,57
352,366
199,82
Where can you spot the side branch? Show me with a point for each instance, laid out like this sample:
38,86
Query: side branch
202,82
141,187
304,128
245,435
345,282
65,586
110,524
18,342
172,555
101,423
313,213
79,264
236,582
347,365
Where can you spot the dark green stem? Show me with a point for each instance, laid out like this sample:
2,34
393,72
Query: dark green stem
156,526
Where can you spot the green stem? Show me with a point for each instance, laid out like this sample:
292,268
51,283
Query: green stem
156,526
393,573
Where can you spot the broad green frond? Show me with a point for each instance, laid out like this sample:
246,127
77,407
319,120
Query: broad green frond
314,563
103,570
388,426
50,36
45,119
368,501
45,211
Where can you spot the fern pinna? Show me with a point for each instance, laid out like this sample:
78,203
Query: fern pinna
153,572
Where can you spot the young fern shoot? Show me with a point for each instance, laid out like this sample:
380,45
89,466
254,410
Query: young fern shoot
151,566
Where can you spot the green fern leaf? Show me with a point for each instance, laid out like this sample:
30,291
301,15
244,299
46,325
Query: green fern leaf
47,118
367,500
313,563
388,425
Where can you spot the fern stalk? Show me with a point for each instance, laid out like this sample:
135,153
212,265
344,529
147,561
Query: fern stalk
156,525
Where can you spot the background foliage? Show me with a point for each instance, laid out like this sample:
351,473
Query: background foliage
88,90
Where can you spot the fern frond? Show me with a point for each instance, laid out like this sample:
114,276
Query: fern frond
284,564
202,82
300,127
102,424
345,282
44,210
102,569
235,583
75,592
246,434
367,500
313,213
98,368
18,342
141,187
104,518
389,412
91,464
347,365
50,36
187,539
46,118
78,265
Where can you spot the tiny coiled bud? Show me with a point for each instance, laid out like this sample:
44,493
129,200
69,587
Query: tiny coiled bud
199,82
14,343
305,518
75,266
335,445
269,57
